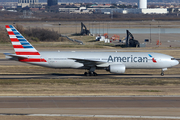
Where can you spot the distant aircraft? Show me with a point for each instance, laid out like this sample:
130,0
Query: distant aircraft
114,62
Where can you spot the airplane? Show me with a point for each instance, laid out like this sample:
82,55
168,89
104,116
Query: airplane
114,62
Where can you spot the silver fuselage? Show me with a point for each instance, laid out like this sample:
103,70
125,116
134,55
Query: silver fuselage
131,60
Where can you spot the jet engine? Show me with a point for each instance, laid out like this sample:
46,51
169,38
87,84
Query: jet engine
118,68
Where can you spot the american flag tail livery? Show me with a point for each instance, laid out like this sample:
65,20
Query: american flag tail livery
25,52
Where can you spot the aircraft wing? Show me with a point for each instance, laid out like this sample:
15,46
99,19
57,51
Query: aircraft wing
88,62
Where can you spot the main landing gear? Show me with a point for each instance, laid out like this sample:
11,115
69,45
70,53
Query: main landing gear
162,71
91,72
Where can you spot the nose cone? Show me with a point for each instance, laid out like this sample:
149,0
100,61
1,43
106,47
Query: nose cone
175,62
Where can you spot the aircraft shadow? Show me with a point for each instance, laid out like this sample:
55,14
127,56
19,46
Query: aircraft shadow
59,74
110,75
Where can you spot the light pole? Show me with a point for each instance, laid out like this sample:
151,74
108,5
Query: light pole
150,33
96,28
76,25
159,36
103,27
59,28
107,27
99,27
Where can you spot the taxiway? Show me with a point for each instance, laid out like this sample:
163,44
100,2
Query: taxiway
92,105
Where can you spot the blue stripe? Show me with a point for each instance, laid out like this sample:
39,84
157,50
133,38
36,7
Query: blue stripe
19,36
11,26
150,55
14,30
23,43
16,33
27,46
22,40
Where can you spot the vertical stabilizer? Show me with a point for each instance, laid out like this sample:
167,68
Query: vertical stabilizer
20,44
25,52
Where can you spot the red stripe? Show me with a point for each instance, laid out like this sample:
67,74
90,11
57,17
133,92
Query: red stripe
11,33
18,46
14,40
27,53
32,60
7,26
154,60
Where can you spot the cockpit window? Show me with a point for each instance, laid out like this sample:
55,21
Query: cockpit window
173,59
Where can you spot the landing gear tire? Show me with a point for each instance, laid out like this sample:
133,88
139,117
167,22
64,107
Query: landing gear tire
90,74
94,73
162,74
85,73
162,71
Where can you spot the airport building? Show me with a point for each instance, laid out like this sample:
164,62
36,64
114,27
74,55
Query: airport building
142,4
142,9
155,11
24,3
146,11
52,2
118,10
28,1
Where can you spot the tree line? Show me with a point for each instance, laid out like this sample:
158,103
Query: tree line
38,34
10,16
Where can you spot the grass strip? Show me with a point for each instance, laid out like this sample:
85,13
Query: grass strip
74,81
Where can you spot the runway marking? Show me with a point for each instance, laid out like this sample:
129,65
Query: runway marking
97,116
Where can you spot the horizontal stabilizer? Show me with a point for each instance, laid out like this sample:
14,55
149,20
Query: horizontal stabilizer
13,56
23,58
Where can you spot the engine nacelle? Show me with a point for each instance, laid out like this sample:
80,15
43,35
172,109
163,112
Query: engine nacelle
118,68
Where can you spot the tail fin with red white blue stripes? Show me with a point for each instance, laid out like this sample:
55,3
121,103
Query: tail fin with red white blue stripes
20,44
25,52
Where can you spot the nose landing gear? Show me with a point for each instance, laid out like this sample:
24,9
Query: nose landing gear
162,71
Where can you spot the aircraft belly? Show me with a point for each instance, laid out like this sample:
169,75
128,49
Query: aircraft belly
135,66
44,64
65,64
142,66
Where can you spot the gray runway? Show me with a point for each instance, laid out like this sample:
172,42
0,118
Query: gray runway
141,106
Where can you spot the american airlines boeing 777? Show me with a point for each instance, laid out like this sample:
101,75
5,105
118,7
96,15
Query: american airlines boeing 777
114,62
